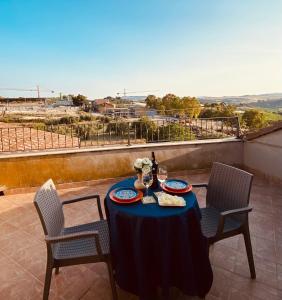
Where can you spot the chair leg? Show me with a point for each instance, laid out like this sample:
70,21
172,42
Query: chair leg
47,283
112,280
249,250
57,270
210,249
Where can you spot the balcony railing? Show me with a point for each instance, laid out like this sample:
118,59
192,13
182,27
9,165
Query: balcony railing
119,132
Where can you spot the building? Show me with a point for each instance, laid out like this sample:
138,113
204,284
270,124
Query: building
101,105
118,112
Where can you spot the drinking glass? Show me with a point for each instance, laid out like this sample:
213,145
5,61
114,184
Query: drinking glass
147,179
162,173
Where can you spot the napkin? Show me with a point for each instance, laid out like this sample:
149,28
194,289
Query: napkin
169,200
148,200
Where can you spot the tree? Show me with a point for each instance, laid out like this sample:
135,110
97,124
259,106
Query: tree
176,132
207,113
254,118
109,98
191,106
171,102
120,127
153,102
218,110
228,110
145,128
79,100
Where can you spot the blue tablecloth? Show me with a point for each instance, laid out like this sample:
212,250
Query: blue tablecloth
155,246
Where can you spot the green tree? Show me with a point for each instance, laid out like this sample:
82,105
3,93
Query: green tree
218,110
228,110
207,113
176,132
254,119
153,102
191,106
145,128
171,102
87,131
120,127
80,100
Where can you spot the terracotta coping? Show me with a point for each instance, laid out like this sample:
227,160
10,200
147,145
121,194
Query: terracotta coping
263,131
114,148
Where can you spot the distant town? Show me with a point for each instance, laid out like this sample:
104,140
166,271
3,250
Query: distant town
30,108
71,121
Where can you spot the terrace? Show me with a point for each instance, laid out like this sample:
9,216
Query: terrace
23,253
79,172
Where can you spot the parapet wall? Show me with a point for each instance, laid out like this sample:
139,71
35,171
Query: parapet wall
32,169
263,155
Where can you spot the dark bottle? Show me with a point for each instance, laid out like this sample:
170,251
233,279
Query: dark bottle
154,172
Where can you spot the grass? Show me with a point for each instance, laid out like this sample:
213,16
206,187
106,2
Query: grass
272,117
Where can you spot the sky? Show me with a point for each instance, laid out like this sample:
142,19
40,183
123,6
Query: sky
98,48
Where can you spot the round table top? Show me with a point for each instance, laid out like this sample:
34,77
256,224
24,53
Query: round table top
152,210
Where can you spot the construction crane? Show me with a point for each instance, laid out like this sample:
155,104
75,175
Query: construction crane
124,93
28,90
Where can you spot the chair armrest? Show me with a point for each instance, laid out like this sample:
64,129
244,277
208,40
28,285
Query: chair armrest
69,237
75,236
229,213
87,197
236,211
200,185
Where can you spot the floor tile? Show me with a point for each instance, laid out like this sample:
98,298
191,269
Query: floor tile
23,251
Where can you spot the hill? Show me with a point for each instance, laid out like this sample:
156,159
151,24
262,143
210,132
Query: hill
264,99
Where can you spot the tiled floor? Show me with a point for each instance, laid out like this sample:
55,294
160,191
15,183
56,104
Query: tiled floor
23,253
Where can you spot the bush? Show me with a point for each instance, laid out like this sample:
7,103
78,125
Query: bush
119,128
176,132
145,128
86,117
62,120
254,119
87,131
68,120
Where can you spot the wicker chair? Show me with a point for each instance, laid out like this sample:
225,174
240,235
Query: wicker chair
87,243
227,200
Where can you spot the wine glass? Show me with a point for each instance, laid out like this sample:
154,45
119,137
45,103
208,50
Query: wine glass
162,173
147,179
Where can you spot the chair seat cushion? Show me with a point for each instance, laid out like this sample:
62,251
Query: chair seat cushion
83,247
210,220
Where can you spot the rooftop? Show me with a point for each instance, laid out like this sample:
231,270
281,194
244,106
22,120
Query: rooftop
23,253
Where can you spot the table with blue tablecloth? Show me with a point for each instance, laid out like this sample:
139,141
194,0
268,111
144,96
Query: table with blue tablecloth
156,247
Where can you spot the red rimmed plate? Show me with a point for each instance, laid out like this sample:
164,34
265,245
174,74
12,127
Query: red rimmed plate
176,185
125,195
179,191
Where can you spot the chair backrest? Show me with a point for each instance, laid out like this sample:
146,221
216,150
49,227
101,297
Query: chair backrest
229,187
49,208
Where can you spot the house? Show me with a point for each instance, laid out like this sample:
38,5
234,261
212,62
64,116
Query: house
63,102
118,112
101,105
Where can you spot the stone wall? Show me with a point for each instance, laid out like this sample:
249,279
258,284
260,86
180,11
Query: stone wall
27,170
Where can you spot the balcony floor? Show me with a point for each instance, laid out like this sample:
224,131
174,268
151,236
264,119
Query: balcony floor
23,253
